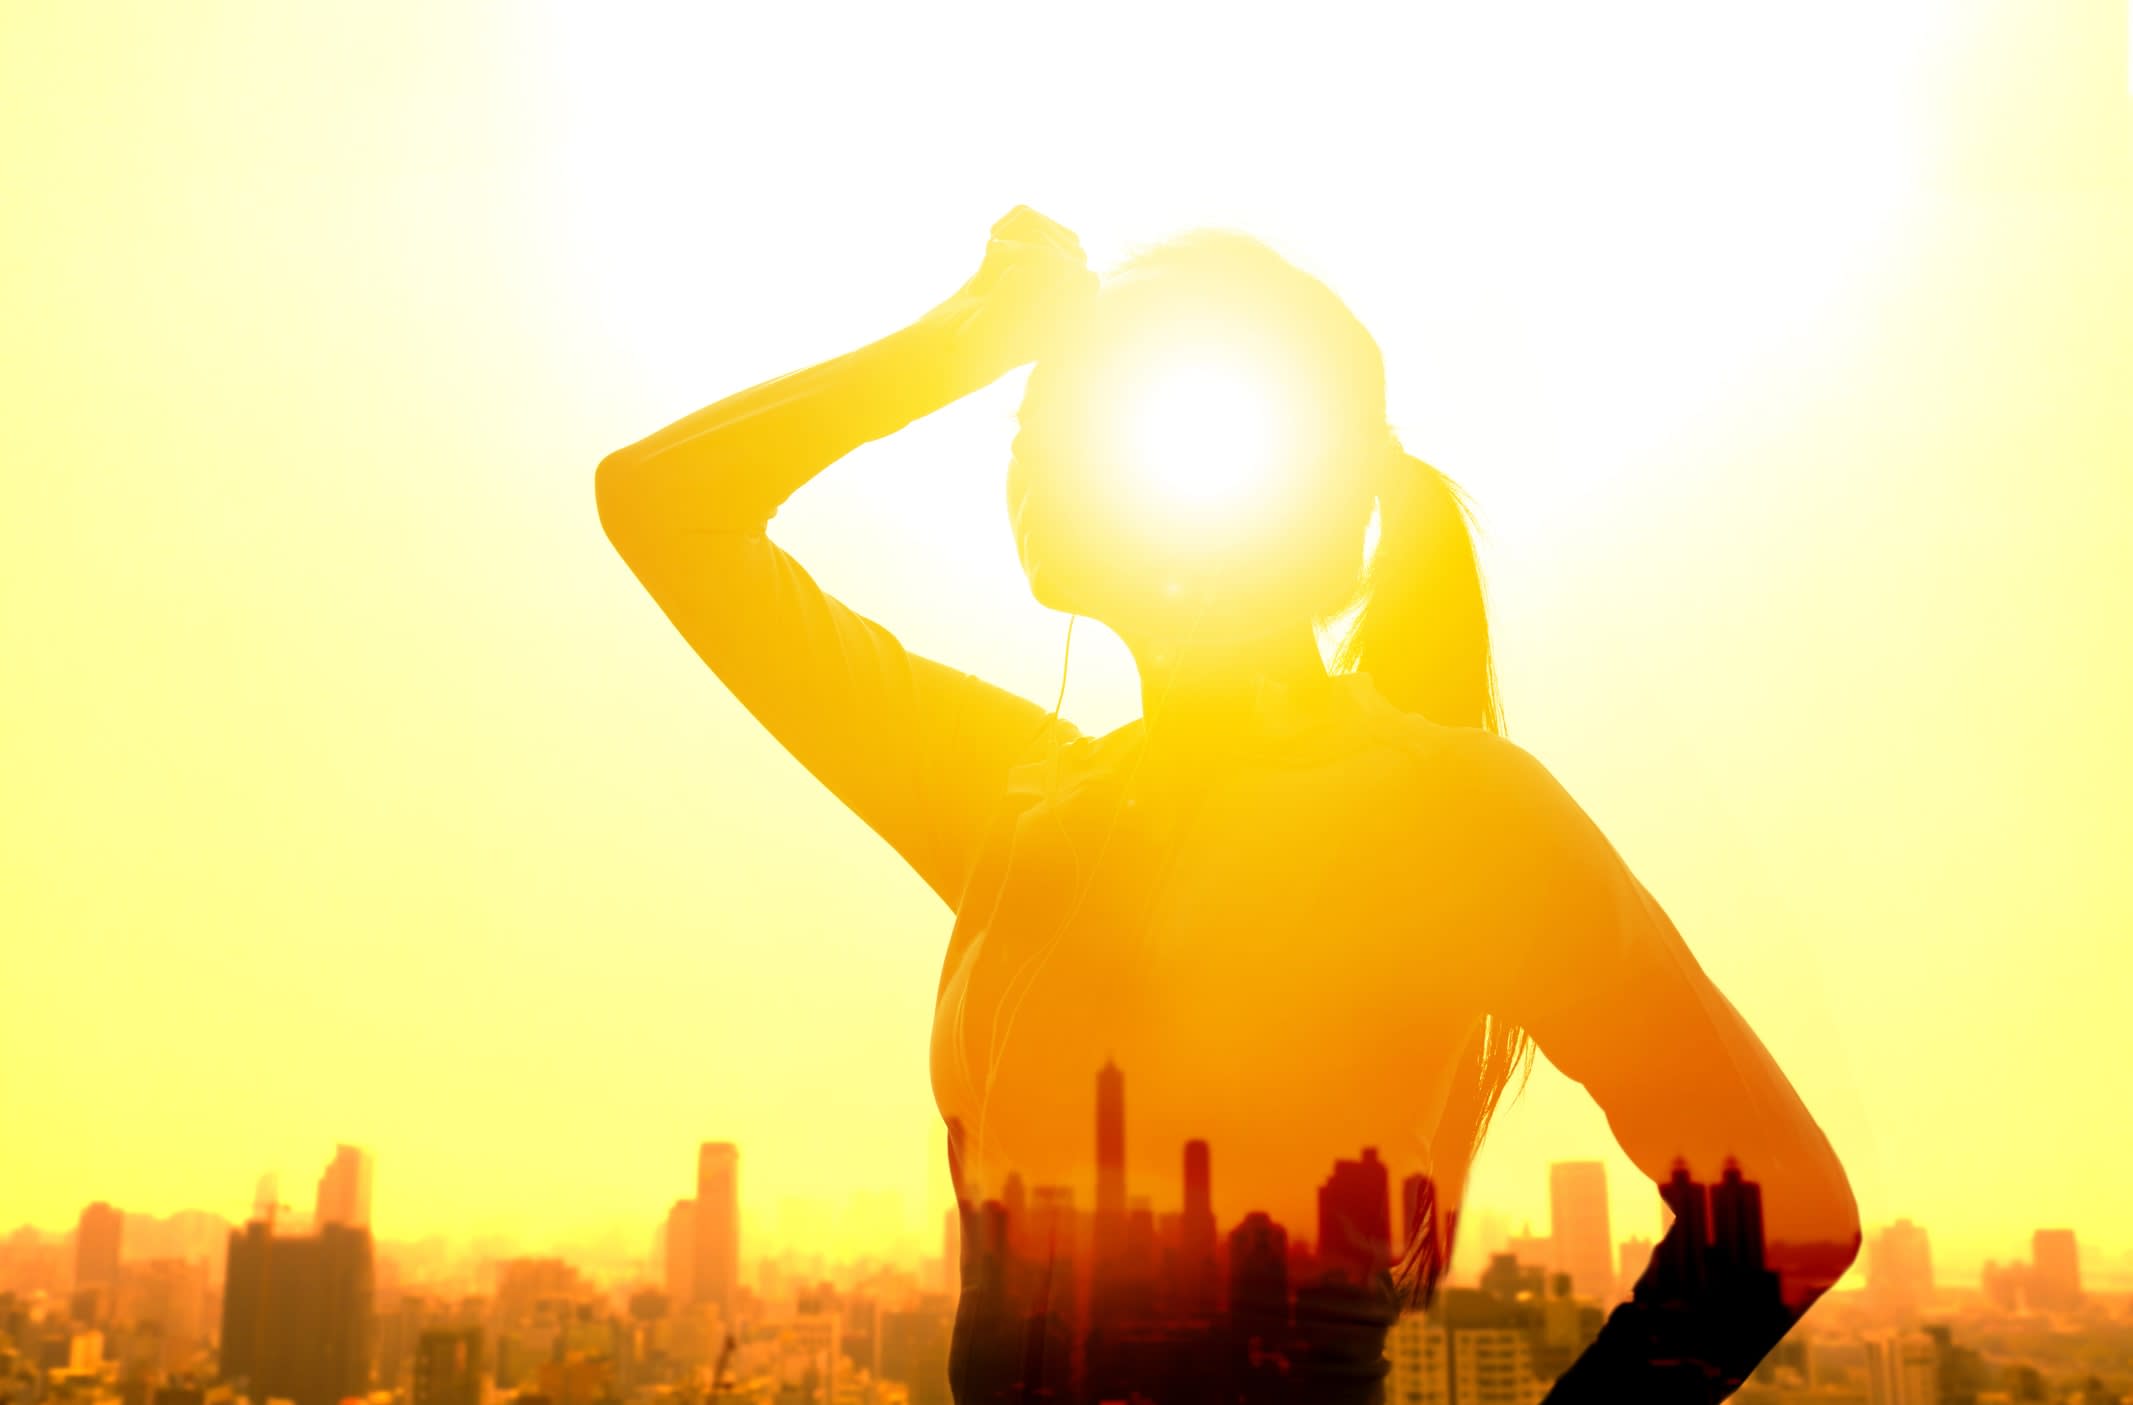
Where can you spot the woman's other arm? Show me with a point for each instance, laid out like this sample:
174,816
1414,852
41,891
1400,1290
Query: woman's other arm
1592,967
916,748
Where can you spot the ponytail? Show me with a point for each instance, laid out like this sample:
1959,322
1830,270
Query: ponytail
1422,635
1423,632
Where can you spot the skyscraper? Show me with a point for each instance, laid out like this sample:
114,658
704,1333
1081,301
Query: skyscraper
2055,1270
1108,1232
96,1246
1197,1234
680,1252
448,1367
1737,1221
1355,1218
1110,1153
718,1225
1258,1275
1899,1268
296,1313
344,1189
1584,1239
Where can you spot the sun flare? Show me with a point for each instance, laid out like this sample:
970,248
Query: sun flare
1205,433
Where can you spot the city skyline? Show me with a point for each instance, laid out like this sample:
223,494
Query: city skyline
1289,1294
1041,1290
1487,1230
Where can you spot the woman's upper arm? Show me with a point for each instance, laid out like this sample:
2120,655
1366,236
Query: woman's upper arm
919,750
1583,957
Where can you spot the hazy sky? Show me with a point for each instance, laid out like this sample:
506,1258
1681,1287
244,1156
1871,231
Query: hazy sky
354,790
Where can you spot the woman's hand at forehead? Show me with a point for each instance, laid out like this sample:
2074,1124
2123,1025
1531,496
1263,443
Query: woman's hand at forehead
1031,289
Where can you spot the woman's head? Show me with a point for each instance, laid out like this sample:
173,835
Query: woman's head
1195,457
1201,459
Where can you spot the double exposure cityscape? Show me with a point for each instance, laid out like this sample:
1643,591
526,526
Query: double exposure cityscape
1115,1296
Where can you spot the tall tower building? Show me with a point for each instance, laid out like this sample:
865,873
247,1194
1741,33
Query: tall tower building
1355,1217
1737,1221
680,1252
2055,1270
296,1313
96,1247
718,1225
344,1189
1199,1181
1258,1275
1578,1222
1199,1285
1899,1268
1110,1227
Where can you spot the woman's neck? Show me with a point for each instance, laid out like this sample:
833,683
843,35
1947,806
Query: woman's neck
1199,695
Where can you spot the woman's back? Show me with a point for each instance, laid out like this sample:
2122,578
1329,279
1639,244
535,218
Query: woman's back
1161,1050
1239,944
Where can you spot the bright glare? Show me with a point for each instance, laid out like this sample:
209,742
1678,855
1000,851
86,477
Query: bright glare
1204,434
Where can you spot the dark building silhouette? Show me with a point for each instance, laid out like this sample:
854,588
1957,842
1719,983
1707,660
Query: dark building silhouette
448,1367
1084,1307
1198,1288
296,1313
716,1273
1118,1286
1737,1222
1355,1218
1708,1307
344,1188
1259,1276
680,1251
1507,1279
96,1261
2054,1270
1110,1148
96,1245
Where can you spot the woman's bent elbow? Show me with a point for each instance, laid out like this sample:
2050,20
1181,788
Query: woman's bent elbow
616,496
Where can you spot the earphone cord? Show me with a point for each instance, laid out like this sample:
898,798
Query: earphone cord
1066,656
1034,964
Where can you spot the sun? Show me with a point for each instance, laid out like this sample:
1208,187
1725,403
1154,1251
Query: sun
1204,432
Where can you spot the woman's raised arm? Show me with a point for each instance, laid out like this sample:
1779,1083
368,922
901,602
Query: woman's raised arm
916,748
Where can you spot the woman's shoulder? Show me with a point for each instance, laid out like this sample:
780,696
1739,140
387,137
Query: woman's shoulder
1468,773
1489,825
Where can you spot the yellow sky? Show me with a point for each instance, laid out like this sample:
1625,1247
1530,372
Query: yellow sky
355,791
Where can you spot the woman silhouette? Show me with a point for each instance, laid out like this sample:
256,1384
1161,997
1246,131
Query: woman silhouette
1304,924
